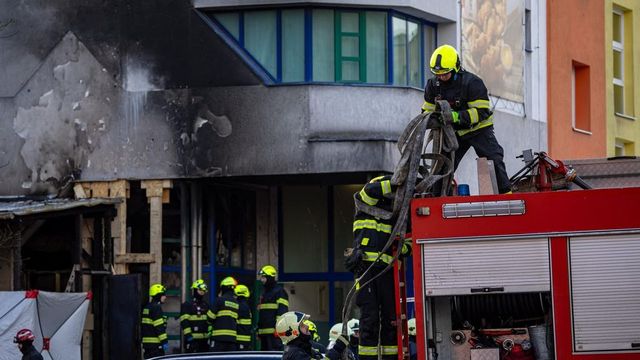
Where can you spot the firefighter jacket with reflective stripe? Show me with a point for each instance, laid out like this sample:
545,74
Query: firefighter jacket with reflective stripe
244,323
299,350
467,94
225,312
273,303
154,325
371,234
196,319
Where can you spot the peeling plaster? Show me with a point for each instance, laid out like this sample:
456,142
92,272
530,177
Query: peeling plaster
220,124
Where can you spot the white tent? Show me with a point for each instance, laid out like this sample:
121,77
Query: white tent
56,319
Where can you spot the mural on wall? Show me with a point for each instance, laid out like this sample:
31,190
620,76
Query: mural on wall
493,45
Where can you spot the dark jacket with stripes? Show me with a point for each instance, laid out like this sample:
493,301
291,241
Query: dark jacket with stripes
196,319
244,323
467,94
225,312
273,303
154,325
370,234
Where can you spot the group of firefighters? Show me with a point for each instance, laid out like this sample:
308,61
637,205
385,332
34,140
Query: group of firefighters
227,323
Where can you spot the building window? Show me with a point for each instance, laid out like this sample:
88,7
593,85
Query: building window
622,46
581,97
624,148
334,45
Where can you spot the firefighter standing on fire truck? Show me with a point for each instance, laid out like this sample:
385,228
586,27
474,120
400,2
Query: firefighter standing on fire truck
375,300
472,117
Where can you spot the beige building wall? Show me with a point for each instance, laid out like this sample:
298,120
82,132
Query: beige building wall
622,59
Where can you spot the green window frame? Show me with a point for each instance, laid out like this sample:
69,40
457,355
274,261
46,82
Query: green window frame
345,34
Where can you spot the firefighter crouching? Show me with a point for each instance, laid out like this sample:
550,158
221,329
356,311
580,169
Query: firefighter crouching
375,300
196,319
154,324
274,302
244,317
225,312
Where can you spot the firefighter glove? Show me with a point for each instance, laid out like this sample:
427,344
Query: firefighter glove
455,117
341,344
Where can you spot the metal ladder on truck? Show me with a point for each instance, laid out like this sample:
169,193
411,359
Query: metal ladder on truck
402,327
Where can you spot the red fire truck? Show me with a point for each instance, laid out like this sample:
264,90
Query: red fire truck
542,275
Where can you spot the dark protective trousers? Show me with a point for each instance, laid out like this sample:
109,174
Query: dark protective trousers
198,346
224,346
377,317
486,145
150,352
270,343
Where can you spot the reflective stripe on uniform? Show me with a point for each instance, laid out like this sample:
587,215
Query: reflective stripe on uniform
184,317
473,116
199,336
389,350
365,241
244,321
266,331
482,124
479,104
151,340
268,306
367,199
283,301
371,224
372,256
246,338
367,350
427,106
230,313
223,333
231,304
162,336
386,187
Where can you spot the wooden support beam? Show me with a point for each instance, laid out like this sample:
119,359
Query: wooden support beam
155,195
135,258
487,184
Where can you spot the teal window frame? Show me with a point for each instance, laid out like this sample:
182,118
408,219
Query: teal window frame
339,36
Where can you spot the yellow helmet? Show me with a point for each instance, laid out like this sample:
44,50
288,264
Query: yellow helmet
444,59
288,326
156,289
242,291
268,270
228,281
199,285
335,332
412,327
313,329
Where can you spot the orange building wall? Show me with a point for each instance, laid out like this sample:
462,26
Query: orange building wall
575,35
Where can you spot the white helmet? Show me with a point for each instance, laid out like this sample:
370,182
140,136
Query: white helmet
335,332
353,325
288,326
411,324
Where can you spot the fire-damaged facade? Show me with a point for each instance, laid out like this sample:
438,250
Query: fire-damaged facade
217,138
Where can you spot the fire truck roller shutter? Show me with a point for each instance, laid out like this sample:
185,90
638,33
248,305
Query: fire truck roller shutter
605,288
486,266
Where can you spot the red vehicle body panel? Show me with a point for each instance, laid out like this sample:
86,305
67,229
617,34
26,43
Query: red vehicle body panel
555,215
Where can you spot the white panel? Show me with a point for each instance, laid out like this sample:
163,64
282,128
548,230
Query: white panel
515,265
605,289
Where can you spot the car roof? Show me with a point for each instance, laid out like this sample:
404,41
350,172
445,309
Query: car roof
230,355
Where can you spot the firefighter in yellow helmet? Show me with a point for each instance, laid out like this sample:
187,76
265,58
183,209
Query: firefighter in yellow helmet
154,324
471,112
244,317
315,337
225,323
196,319
295,333
273,303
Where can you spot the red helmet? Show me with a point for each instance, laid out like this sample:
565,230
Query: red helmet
24,335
